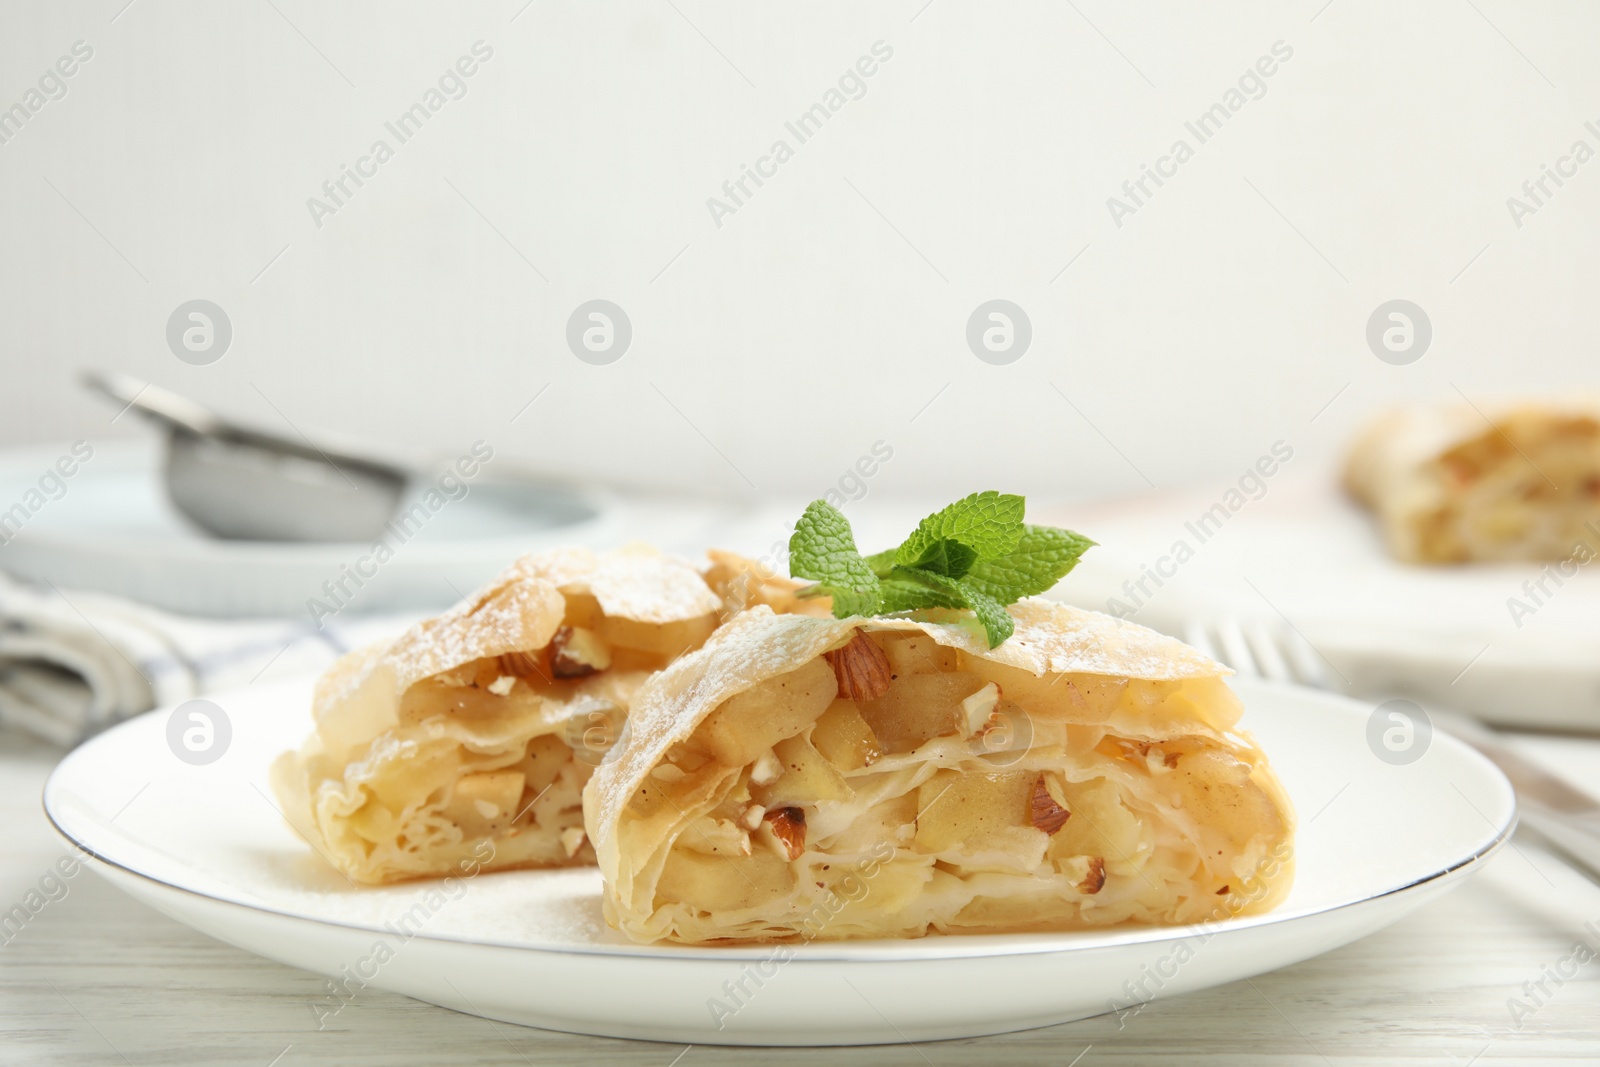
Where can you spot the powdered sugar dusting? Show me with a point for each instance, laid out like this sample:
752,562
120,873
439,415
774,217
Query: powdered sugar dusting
636,582
1056,638
651,587
520,610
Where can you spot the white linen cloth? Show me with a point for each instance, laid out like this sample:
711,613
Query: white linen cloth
73,663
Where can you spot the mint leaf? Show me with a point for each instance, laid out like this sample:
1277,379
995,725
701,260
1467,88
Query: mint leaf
848,602
997,622
1042,557
882,562
937,591
947,557
823,548
906,589
989,522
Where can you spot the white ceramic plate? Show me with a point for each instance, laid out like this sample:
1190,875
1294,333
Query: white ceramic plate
206,846
1302,551
113,530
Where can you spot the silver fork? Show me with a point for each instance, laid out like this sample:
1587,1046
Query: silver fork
1260,650
1569,818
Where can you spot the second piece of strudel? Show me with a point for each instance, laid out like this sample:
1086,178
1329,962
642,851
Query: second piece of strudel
466,742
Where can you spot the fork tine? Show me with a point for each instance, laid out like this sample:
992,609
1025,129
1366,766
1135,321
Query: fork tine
1306,660
1196,637
1235,649
1264,641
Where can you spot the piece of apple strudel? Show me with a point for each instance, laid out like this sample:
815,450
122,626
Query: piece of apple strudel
466,743
1451,485
801,778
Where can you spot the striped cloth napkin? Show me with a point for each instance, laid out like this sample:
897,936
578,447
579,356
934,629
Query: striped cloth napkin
73,663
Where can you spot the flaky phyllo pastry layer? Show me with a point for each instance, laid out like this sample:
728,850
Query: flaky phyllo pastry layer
1453,484
802,778
472,735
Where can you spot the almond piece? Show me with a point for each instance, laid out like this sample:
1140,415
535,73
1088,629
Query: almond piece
789,826
766,769
576,652
977,710
1097,877
861,667
1046,807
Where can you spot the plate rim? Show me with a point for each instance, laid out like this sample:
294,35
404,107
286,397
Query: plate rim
868,950
957,946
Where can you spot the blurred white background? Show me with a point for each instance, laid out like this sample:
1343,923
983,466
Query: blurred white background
830,310
818,331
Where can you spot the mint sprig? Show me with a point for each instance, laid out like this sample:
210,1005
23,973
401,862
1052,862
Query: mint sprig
823,548
988,522
977,555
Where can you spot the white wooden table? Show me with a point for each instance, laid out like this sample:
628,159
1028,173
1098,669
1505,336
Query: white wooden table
96,978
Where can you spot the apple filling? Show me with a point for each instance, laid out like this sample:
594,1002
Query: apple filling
896,786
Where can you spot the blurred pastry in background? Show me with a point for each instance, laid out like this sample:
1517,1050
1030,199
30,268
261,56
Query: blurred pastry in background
1451,484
